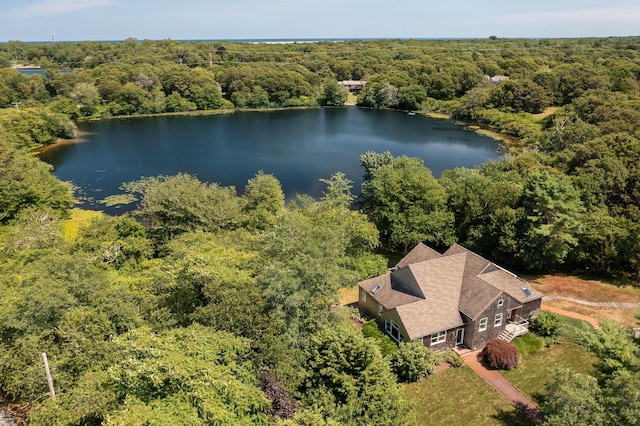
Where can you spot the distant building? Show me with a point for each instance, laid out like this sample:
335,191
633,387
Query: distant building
497,79
353,86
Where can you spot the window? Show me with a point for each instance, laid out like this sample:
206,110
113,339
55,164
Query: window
483,324
376,289
527,291
497,322
364,296
440,337
500,302
379,310
393,330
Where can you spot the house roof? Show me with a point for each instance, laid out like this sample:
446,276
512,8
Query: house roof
389,296
429,290
440,280
419,253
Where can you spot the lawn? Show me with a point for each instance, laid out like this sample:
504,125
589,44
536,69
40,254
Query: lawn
534,369
458,396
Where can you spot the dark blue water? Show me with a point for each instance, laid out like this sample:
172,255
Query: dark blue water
297,146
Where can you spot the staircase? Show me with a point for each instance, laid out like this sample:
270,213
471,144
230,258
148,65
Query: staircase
514,329
507,335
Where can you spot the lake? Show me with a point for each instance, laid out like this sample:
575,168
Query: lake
297,146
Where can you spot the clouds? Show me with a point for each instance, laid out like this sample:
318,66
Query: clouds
49,8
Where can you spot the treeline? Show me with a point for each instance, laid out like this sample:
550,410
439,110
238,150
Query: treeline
224,309
566,199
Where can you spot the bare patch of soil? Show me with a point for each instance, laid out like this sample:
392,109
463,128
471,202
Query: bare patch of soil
547,112
584,289
349,296
590,290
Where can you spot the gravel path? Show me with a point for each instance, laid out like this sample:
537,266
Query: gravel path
594,304
6,420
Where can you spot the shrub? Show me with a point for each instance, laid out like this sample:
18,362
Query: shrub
500,355
282,405
371,329
547,324
412,361
450,357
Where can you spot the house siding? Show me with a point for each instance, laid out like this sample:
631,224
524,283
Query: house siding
447,344
530,309
370,306
476,339
392,315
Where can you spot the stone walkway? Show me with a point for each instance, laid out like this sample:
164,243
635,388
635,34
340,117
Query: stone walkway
594,304
594,322
506,389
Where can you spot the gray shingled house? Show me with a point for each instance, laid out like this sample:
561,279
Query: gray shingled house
454,299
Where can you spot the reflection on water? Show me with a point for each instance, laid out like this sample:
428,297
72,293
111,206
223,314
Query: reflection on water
298,146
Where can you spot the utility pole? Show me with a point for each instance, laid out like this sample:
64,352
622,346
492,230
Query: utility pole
48,373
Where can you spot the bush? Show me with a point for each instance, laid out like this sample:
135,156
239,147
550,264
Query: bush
371,329
547,324
282,405
450,357
412,361
500,355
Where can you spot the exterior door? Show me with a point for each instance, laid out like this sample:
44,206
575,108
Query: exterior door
460,336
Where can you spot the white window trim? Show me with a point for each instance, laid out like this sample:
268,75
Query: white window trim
379,310
500,302
389,326
439,337
364,295
480,326
497,322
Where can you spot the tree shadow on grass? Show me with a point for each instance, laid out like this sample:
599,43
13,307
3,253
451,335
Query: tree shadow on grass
513,417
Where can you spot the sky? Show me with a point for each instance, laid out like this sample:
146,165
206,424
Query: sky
71,20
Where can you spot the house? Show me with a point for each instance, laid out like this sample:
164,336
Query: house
354,86
497,79
454,299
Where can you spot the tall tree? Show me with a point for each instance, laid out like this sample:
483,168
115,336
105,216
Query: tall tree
554,214
407,203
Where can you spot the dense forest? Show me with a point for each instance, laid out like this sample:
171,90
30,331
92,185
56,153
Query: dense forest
219,305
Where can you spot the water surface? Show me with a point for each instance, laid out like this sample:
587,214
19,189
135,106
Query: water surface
297,146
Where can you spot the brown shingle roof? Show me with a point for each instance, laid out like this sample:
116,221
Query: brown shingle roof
512,285
441,282
389,296
429,290
419,253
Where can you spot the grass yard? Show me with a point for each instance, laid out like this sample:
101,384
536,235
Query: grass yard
533,371
458,396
